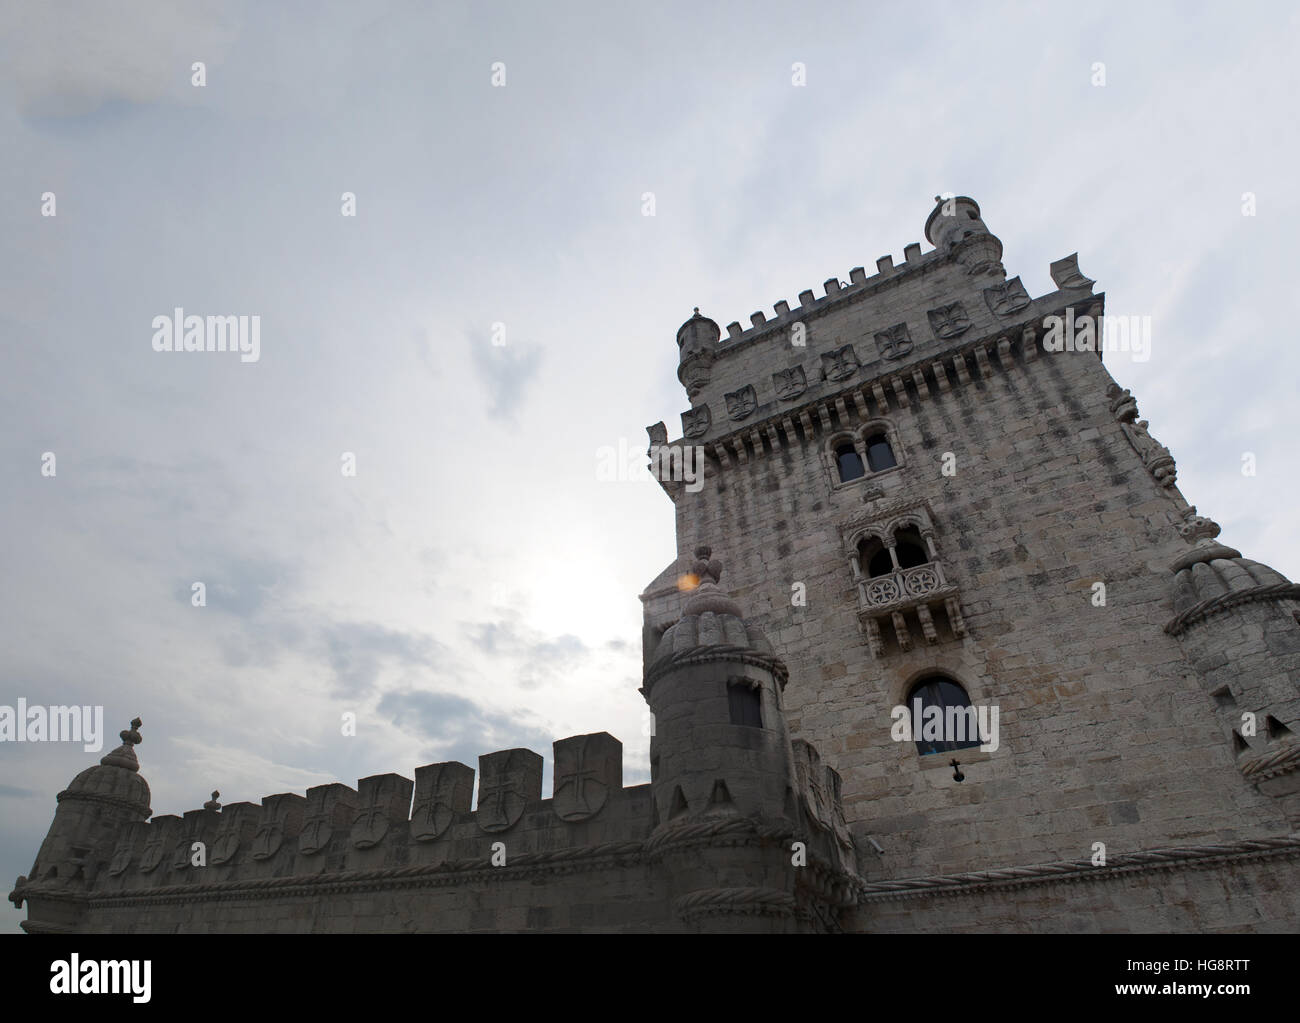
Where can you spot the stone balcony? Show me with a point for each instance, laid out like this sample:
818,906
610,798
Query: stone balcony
916,592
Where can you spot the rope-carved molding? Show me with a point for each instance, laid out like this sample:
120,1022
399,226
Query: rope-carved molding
1270,765
731,831
1214,605
1179,857
745,901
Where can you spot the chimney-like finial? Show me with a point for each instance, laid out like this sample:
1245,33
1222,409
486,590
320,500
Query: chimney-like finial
124,755
212,803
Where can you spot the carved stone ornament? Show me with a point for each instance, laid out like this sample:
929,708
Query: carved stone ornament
441,792
1008,298
949,320
1066,275
1123,406
812,785
696,421
840,364
506,783
789,383
125,848
161,834
894,343
384,798
274,826
318,822
229,834
584,768
741,404
183,850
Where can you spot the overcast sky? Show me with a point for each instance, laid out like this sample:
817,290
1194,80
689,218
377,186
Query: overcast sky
474,586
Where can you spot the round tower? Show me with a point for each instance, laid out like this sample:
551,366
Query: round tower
956,229
721,776
697,338
1239,625
92,810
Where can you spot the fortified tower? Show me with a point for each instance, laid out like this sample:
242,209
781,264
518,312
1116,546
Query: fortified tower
936,504
934,496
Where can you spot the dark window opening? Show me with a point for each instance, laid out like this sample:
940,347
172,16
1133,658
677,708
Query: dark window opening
745,704
879,454
849,463
911,548
874,559
960,727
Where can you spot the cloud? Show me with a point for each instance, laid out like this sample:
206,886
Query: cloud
457,728
530,658
505,372
359,652
91,54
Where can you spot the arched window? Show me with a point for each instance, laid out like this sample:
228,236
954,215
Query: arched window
942,716
873,558
910,547
849,462
879,454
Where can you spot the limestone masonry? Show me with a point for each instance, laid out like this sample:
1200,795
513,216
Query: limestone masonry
924,501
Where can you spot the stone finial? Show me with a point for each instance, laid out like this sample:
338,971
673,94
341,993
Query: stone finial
703,568
124,755
212,803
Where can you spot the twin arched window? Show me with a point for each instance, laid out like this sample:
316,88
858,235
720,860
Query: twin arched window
849,459
909,550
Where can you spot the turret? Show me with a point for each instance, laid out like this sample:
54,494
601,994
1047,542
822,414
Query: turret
749,835
714,686
100,802
697,338
1239,625
956,229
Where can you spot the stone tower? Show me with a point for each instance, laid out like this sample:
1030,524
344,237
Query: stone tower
100,802
933,494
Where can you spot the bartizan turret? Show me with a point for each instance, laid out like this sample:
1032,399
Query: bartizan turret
748,827
100,802
1239,625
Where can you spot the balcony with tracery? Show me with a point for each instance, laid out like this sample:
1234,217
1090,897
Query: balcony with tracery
902,589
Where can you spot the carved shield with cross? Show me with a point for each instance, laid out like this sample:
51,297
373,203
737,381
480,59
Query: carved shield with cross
586,767
508,781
